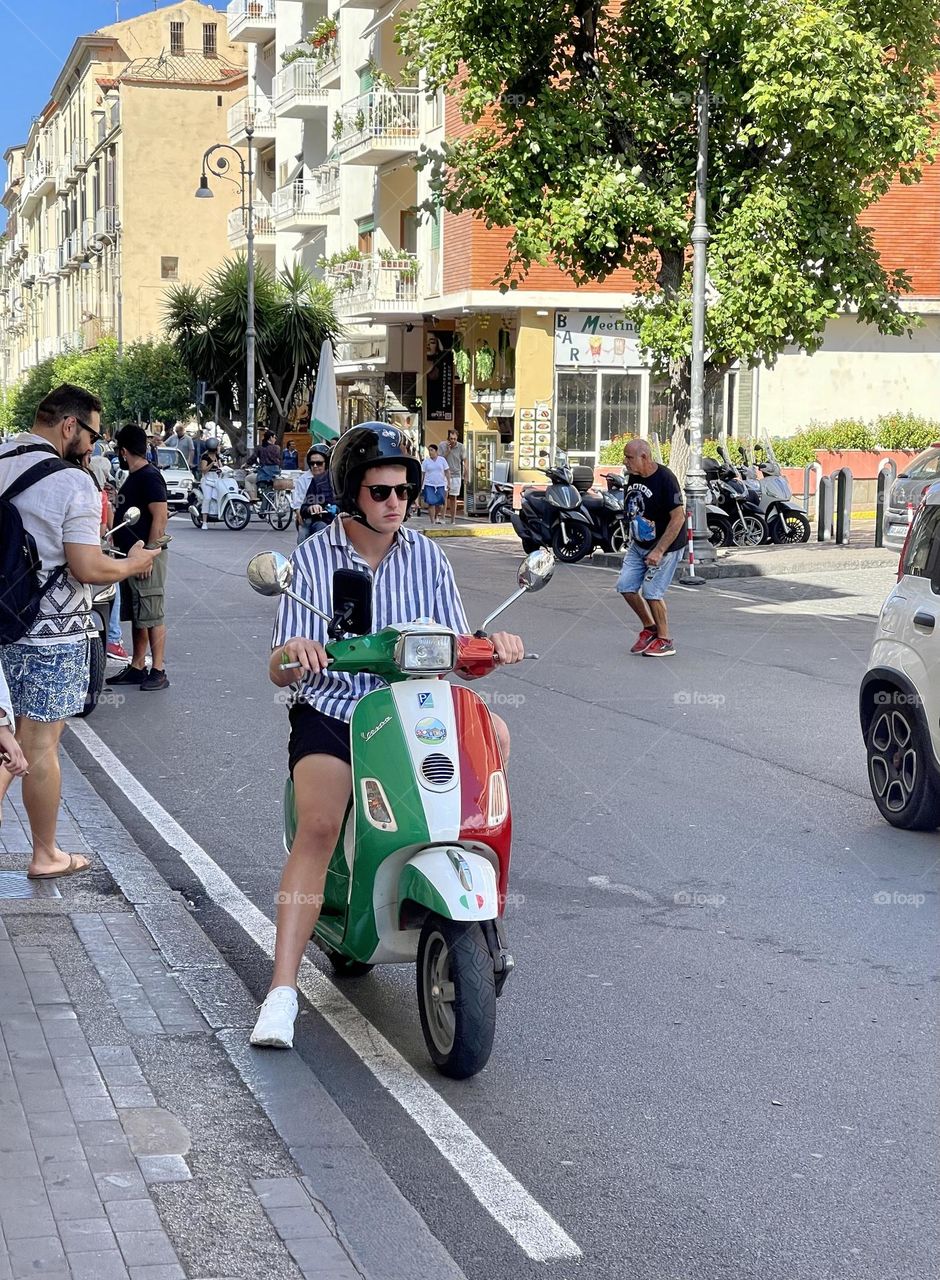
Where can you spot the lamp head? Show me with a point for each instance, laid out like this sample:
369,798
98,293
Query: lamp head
204,191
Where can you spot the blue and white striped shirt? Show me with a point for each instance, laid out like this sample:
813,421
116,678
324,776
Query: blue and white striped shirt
415,580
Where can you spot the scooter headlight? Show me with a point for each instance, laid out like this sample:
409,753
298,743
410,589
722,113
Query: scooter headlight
427,652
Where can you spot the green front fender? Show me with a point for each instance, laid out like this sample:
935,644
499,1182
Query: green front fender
430,879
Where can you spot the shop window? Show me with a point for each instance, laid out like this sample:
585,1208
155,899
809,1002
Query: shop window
577,413
210,48
177,39
661,410
620,405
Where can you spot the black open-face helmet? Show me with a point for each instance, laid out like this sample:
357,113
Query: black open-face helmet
370,444
318,451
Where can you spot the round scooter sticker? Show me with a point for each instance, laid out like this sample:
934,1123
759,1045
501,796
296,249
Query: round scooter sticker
430,731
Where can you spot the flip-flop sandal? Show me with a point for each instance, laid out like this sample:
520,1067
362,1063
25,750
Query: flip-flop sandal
71,870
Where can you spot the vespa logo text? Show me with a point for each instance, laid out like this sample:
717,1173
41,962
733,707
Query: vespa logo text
372,732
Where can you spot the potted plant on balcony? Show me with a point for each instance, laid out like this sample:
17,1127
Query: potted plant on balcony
338,128
326,30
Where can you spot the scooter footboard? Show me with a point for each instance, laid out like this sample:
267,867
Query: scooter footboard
450,881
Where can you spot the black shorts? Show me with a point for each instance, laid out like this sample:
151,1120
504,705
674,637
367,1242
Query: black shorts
314,734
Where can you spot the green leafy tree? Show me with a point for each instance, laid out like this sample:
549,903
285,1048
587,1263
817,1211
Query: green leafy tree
582,141
294,313
154,383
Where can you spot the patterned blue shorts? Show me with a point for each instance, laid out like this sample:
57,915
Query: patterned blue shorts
47,682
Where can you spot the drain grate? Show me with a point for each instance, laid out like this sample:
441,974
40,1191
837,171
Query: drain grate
16,884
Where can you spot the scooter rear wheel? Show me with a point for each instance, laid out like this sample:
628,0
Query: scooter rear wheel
195,516
456,996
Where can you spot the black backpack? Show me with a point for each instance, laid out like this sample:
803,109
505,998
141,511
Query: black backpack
20,565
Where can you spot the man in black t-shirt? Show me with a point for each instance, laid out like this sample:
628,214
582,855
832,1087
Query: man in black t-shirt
143,597
656,514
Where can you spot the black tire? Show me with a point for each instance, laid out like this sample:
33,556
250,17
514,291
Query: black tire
619,539
195,516
96,667
236,515
719,531
899,770
579,544
456,996
501,514
792,529
749,531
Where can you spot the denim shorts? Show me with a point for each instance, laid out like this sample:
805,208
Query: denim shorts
634,570
433,496
47,682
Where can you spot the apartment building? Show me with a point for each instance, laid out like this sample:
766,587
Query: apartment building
336,135
101,214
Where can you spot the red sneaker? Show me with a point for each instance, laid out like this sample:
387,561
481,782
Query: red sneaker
660,648
644,640
118,651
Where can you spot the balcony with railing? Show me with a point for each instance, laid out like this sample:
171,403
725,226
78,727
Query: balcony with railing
263,226
71,341
385,286
299,91
106,221
251,21
380,125
62,173
38,181
256,112
308,202
327,58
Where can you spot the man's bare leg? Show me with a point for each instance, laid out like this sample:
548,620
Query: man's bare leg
322,786
660,617
641,607
156,638
42,790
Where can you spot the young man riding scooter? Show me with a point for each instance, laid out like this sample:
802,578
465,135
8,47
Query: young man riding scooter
375,478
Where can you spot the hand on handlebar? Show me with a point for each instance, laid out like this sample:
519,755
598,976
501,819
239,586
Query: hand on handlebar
304,655
509,647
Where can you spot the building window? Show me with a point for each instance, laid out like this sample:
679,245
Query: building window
366,233
577,413
169,268
177,39
620,405
210,48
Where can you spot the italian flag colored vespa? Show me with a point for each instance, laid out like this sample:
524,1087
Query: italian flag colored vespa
421,869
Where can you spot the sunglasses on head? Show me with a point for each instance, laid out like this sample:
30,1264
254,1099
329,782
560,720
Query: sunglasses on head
382,492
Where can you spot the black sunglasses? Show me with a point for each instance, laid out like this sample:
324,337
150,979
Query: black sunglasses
316,462
382,492
95,435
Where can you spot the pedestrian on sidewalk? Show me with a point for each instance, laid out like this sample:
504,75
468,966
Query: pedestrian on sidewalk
454,454
143,596
656,514
434,476
182,440
53,501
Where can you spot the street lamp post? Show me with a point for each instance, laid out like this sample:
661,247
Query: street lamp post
695,488
218,164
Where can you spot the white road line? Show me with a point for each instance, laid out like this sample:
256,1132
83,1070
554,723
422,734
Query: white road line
502,1195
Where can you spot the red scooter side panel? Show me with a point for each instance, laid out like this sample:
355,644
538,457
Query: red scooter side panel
479,758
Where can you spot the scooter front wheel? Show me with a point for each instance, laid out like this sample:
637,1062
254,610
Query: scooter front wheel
456,996
573,547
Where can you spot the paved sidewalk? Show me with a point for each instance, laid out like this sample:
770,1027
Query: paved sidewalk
131,1147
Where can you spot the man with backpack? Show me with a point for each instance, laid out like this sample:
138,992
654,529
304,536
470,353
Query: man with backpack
50,554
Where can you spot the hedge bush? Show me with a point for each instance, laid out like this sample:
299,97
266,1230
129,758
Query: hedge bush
611,455
891,431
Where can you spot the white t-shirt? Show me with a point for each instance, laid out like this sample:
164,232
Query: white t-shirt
64,507
434,471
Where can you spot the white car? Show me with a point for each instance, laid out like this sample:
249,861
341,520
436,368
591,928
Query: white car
899,701
176,475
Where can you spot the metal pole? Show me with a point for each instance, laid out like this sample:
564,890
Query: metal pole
250,330
695,487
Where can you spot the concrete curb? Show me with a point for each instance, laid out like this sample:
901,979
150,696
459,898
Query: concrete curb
471,531
362,1201
773,564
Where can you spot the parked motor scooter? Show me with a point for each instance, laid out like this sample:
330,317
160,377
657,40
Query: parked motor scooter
500,506
787,522
555,518
606,511
730,494
421,869
96,624
220,501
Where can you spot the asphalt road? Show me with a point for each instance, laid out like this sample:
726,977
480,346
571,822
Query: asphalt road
717,1055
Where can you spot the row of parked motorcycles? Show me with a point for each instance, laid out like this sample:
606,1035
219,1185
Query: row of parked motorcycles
747,505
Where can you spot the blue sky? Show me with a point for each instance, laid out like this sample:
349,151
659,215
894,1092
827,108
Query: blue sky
35,38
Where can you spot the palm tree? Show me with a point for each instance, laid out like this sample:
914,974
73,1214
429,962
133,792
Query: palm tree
293,315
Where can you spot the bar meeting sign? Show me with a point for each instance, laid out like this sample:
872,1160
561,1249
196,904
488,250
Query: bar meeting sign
596,340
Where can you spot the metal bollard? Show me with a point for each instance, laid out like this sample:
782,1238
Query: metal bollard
816,469
887,474
824,510
843,479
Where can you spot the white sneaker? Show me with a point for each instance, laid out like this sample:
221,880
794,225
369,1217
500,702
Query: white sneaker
204,525
275,1025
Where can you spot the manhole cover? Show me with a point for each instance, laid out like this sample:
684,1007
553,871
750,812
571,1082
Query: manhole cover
16,884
